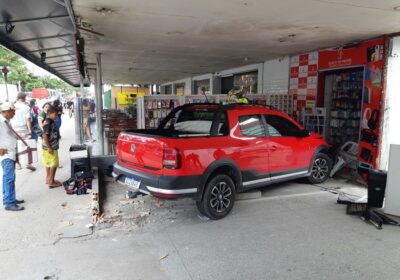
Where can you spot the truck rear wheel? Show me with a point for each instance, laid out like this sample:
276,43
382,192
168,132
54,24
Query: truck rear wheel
219,197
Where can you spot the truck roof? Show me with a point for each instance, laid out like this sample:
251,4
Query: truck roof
229,106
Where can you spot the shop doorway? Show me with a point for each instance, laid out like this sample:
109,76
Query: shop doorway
226,84
343,99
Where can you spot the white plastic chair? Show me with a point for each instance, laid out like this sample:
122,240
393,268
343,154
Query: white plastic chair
348,155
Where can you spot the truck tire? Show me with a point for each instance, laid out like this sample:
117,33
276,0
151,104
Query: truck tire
219,197
320,169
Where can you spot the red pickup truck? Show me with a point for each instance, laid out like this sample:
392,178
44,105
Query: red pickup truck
211,152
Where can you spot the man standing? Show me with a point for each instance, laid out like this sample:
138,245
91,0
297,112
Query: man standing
8,151
22,123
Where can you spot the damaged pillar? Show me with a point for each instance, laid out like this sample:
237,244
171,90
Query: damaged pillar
78,116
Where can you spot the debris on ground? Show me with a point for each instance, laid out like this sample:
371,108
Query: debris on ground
203,217
127,201
64,204
158,202
89,226
144,213
109,220
131,194
164,257
67,223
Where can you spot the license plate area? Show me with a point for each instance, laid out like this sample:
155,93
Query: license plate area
132,183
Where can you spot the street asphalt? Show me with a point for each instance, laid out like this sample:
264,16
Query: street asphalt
290,231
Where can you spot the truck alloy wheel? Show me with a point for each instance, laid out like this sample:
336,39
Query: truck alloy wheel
320,169
219,197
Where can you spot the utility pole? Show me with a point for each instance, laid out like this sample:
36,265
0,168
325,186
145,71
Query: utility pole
5,72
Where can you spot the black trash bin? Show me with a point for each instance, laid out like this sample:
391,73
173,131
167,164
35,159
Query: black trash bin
80,159
376,187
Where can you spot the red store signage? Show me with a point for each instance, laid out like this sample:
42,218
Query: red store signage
331,59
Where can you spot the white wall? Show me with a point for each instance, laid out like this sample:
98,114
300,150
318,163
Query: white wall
276,76
391,129
273,77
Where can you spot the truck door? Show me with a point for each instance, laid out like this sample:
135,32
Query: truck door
253,151
288,153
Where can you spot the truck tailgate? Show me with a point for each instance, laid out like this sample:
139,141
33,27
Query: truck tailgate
140,150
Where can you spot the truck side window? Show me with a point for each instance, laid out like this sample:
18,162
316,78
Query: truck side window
251,125
279,126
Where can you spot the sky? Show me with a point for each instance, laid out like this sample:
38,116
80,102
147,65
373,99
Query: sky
38,71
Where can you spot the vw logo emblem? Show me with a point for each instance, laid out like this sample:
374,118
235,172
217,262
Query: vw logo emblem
133,148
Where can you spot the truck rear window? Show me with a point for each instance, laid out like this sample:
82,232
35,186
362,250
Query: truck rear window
195,121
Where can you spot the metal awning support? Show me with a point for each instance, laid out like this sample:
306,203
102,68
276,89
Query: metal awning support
60,2
99,104
68,72
61,55
78,116
55,48
58,62
32,20
62,66
68,5
41,38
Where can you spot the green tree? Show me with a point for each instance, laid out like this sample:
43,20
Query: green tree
19,74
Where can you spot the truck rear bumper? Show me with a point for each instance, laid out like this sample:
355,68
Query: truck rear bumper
157,185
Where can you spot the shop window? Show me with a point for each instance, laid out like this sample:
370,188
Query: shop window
226,84
202,87
180,89
251,125
247,82
168,89
281,127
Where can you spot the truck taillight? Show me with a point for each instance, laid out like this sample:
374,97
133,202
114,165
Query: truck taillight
171,158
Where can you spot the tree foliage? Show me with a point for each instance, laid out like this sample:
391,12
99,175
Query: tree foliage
19,75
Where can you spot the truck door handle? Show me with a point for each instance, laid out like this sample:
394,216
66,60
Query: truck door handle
273,148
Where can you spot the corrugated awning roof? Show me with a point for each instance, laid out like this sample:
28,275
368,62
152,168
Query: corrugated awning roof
42,31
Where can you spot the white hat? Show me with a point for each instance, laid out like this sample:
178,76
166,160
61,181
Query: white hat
6,107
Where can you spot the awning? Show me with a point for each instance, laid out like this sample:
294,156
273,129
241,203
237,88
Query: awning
44,32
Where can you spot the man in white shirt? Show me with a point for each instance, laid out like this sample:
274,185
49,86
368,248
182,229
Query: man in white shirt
8,151
22,122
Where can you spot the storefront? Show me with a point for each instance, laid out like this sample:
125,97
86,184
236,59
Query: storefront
201,87
348,84
246,82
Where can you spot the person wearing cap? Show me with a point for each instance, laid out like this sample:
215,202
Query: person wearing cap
22,122
8,152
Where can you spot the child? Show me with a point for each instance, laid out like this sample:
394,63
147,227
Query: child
51,137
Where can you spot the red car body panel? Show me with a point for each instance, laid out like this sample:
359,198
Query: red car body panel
258,159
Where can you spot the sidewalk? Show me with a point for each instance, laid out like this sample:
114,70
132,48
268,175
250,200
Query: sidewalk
50,214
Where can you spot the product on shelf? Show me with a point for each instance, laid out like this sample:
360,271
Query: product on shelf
282,102
158,108
345,107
